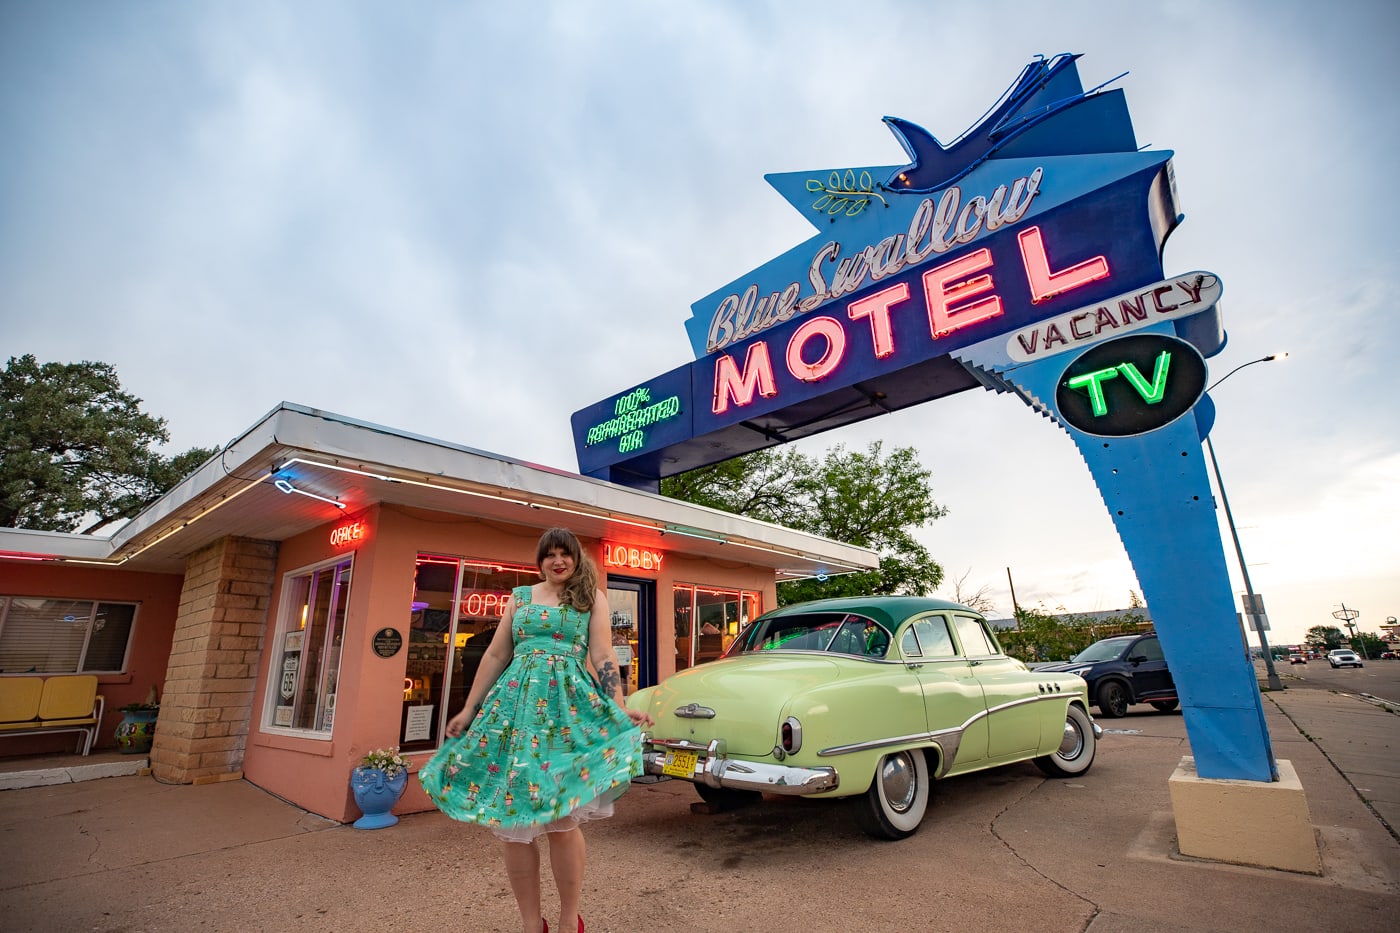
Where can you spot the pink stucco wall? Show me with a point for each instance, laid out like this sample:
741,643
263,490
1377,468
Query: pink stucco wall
159,597
314,772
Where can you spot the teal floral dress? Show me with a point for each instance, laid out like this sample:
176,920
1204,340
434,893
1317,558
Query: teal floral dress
547,750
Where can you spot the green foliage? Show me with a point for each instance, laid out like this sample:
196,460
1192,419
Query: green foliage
73,446
865,498
1325,637
1040,636
1368,645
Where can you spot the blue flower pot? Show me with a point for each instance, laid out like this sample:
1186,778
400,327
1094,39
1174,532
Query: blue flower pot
375,795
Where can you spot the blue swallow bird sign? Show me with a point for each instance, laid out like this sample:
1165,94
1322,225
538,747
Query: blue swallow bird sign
1025,256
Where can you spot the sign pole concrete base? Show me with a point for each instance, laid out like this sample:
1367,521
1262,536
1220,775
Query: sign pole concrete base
1261,823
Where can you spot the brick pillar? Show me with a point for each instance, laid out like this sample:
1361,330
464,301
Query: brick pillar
208,698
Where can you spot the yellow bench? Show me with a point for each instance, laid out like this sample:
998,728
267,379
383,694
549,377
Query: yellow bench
59,703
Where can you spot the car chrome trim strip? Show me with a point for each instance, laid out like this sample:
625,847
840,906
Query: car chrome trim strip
694,711
946,740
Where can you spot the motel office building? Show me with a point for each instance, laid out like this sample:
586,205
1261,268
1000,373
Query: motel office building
325,587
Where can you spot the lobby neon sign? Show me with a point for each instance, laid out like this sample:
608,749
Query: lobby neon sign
626,557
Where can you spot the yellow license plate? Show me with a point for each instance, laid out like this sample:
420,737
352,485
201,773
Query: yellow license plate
679,764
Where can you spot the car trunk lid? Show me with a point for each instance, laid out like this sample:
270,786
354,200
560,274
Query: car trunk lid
734,699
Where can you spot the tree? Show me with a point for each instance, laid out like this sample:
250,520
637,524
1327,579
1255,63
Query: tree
1324,638
74,447
977,600
867,498
1368,645
1040,636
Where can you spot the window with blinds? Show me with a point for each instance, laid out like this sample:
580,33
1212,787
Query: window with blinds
40,635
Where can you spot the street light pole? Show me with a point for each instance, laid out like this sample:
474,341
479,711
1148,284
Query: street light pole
1274,682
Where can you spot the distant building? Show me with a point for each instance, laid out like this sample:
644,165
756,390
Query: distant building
1102,615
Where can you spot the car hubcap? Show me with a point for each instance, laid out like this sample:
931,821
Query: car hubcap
1072,741
897,782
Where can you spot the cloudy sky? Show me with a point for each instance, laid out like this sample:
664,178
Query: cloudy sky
467,220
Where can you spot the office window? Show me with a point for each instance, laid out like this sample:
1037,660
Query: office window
306,650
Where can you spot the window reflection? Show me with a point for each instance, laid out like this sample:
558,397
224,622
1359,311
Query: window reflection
457,604
708,618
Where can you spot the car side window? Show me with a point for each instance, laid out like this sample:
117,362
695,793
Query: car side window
1150,648
975,640
933,638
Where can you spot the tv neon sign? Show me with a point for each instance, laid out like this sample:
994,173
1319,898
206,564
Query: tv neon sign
1131,385
957,294
632,413
348,533
631,558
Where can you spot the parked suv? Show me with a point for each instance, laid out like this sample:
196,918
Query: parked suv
1121,671
1343,657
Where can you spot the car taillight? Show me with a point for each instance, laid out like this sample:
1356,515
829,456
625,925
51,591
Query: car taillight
791,735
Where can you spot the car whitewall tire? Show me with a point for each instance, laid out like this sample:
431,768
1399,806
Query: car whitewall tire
1077,747
894,805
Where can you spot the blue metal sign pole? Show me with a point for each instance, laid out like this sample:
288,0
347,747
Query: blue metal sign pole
1157,491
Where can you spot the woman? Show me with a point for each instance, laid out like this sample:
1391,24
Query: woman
541,746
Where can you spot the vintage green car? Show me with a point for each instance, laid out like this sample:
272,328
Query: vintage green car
867,697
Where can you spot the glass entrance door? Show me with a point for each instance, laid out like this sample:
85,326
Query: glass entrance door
633,606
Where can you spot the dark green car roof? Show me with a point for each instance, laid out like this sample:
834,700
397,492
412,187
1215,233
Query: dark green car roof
889,610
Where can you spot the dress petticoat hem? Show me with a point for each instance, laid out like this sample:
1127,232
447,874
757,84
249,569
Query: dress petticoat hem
600,808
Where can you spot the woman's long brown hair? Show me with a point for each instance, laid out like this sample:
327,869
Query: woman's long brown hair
582,584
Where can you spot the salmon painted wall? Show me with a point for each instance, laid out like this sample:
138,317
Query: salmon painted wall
159,597
314,773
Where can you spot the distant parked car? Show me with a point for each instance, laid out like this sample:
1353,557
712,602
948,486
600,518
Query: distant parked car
1121,671
1297,659
1343,657
1389,656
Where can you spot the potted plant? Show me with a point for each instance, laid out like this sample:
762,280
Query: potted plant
137,728
377,783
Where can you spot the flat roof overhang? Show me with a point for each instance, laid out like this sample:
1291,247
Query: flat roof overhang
258,488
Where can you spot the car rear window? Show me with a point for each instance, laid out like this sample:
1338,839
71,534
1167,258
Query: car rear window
838,633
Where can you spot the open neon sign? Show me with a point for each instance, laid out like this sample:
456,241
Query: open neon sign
957,294
484,604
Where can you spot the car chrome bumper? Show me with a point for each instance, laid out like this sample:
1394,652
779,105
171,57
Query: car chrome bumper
714,769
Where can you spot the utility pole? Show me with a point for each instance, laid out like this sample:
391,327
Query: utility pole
1015,609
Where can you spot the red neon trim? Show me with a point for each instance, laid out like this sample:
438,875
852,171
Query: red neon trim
877,308
1046,284
730,384
948,284
15,555
835,335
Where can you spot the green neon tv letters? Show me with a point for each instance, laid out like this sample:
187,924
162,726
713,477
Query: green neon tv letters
1151,392
1093,383
1154,393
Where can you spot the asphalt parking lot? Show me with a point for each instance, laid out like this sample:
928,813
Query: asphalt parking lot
1001,851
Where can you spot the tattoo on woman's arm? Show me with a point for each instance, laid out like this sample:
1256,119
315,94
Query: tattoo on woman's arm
609,679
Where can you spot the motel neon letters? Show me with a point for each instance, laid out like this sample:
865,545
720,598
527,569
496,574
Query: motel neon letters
957,294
